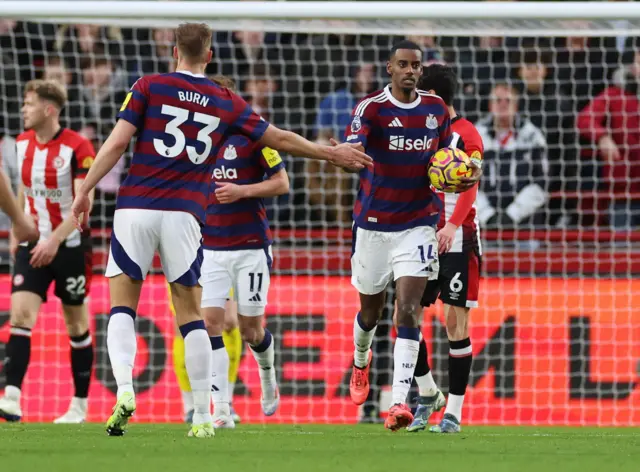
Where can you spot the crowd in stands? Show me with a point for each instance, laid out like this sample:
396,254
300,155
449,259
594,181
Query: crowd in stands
560,117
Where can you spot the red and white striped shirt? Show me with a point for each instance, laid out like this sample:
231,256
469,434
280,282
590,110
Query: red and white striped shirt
460,208
48,172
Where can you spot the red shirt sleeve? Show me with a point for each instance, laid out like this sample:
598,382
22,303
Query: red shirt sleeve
84,154
463,205
474,148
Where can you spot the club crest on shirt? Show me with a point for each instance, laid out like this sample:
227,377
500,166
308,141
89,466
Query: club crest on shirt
432,122
356,124
230,153
58,162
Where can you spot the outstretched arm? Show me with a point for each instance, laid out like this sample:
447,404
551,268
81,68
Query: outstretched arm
344,155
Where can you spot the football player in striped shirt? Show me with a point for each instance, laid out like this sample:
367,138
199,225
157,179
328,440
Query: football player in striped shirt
395,215
237,255
459,278
52,163
181,119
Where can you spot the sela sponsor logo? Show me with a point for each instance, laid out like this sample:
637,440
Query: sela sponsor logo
224,173
400,143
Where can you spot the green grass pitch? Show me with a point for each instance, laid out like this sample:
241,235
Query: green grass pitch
87,448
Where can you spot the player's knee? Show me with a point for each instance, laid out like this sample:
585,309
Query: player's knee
252,335
457,323
214,320
406,314
76,319
23,316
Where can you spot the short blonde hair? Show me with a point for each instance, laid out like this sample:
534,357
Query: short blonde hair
49,90
224,81
193,40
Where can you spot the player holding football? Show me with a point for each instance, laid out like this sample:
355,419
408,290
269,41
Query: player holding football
180,120
458,282
395,216
53,162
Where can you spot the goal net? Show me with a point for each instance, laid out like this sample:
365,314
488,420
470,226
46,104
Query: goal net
556,336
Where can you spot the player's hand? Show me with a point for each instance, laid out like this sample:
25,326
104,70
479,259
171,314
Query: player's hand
445,237
24,229
609,149
229,193
80,209
44,252
468,182
349,157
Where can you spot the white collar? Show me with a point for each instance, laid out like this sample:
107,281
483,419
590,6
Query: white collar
186,72
399,104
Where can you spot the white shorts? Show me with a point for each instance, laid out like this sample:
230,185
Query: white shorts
378,256
246,271
137,234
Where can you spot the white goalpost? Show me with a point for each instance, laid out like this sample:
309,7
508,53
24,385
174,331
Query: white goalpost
556,336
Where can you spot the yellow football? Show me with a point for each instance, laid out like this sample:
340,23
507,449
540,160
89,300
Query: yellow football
446,167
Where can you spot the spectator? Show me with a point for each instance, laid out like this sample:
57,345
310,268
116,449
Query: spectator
260,91
75,115
10,88
583,66
104,90
160,57
611,121
236,53
484,62
513,188
334,112
76,42
543,103
329,188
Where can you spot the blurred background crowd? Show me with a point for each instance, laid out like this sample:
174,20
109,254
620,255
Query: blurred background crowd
561,113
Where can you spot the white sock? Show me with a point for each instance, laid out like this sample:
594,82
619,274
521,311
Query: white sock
219,376
426,385
122,346
405,356
232,387
454,406
264,354
197,359
362,340
187,401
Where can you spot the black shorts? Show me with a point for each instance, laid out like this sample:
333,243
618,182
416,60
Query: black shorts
70,270
458,281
